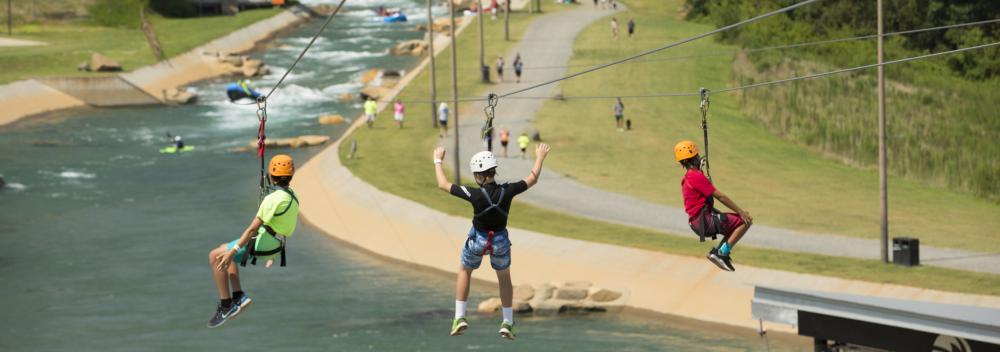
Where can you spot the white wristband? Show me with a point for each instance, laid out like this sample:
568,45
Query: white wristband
438,161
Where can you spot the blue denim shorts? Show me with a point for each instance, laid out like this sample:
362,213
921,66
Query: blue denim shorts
475,246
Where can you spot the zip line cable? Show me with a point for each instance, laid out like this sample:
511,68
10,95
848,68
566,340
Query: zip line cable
787,46
731,89
668,46
306,49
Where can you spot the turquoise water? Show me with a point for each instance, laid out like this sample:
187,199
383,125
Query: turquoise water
107,239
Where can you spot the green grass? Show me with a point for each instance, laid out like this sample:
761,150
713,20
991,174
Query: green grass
72,43
780,182
398,162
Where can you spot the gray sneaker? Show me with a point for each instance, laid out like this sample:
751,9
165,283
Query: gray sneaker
222,315
241,304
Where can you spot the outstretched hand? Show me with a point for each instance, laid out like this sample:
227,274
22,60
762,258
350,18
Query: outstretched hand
439,153
542,150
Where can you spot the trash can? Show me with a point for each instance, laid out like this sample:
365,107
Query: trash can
486,74
906,251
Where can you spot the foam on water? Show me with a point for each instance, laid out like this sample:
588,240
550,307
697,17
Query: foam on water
74,174
344,55
16,186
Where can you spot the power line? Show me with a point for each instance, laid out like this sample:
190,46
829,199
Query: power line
756,85
303,53
780,47
668,46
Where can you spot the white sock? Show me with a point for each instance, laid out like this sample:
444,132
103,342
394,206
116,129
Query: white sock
508,314
459,309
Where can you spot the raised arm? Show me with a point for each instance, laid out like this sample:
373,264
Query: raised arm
541,151
442,180
722,197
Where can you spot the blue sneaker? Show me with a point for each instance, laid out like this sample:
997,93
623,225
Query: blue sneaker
222,315
241,304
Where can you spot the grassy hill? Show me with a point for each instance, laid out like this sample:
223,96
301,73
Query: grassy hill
782,181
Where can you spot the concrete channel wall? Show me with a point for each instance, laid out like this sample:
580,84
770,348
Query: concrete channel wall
146,85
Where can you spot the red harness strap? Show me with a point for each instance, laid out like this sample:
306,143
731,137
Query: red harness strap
489,243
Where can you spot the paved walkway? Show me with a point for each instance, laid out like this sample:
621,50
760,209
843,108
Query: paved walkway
550,42
8,42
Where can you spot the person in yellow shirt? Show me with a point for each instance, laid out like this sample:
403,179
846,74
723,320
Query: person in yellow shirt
371,107
522,142
263,239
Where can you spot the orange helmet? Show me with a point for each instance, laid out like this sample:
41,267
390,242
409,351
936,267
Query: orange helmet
685,150
281,165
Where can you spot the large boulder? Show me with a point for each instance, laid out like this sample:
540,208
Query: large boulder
571,293
522,307
414,47
312,140
177,96
331,120
490,305
374,92
101,63
369,76
524,292
603,295
346,97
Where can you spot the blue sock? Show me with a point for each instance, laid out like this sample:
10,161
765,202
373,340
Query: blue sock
724,248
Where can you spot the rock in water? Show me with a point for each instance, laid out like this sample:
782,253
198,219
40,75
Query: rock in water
523,293
604,295
369,76
414,47
101,63
490,305
331,120
571,293
311,140
177,96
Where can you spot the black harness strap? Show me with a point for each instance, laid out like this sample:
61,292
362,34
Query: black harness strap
251,247
493,206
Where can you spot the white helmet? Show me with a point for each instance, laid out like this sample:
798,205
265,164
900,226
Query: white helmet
482,161
177,138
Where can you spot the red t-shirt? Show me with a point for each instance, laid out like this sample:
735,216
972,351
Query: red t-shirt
695,188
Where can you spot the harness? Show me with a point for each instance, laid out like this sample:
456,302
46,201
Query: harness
493,206
709,219
252,252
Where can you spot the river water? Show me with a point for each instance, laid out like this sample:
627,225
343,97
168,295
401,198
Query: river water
106,238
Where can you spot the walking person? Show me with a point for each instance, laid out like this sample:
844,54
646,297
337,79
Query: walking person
443,119
493,10
504,140
263,239
499,67
398,110
371,107
523,142
614,28
619,111
518,66
631,28
491,205
699,200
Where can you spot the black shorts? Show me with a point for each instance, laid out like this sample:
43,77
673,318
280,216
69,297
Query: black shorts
443,123
503,143
517,72
619,117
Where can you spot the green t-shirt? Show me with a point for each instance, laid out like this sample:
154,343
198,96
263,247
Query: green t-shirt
283,224
523,141
370,107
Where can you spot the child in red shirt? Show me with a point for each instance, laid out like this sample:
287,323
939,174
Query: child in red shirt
699,198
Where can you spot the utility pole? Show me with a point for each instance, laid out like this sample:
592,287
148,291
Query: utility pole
430,49
506,21
539,2
10,20
882,175
483,70
454,89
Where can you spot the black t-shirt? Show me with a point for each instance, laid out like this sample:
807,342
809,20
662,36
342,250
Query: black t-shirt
492,220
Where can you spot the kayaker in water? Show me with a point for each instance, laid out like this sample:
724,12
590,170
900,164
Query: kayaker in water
263,239
178,143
